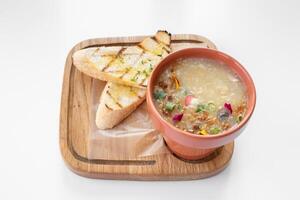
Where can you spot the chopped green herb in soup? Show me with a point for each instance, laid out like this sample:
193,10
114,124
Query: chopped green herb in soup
201,96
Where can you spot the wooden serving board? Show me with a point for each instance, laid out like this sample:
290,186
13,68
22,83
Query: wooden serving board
75,128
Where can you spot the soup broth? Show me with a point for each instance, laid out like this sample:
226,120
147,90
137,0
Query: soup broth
201,96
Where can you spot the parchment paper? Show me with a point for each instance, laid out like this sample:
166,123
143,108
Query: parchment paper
133,138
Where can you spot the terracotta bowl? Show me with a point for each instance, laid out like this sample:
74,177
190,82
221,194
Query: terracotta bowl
187,145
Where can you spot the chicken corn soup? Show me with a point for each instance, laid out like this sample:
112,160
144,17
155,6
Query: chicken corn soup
200,95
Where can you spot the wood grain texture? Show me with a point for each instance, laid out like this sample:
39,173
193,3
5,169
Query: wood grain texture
75,119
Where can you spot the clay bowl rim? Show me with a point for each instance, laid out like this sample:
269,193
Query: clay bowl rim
169,58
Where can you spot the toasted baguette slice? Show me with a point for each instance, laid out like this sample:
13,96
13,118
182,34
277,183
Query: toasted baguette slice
116,103
127,66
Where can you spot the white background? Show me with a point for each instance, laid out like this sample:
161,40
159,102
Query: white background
35,37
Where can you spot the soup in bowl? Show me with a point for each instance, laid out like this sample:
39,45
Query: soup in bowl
199,99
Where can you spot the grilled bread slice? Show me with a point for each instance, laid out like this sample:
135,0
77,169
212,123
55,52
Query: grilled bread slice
116,103
127,70
127,66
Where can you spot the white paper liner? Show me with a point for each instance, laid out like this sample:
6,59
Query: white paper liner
133,138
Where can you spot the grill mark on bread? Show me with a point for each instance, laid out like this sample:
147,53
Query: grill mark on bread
158,43
163,44
108,55
155,39
124,74
146,49
135,93
137,60
143,52
125,69
115,57
167,50
115,101
140,46
109,108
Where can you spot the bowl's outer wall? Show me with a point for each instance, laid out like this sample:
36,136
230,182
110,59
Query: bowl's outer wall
187,144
